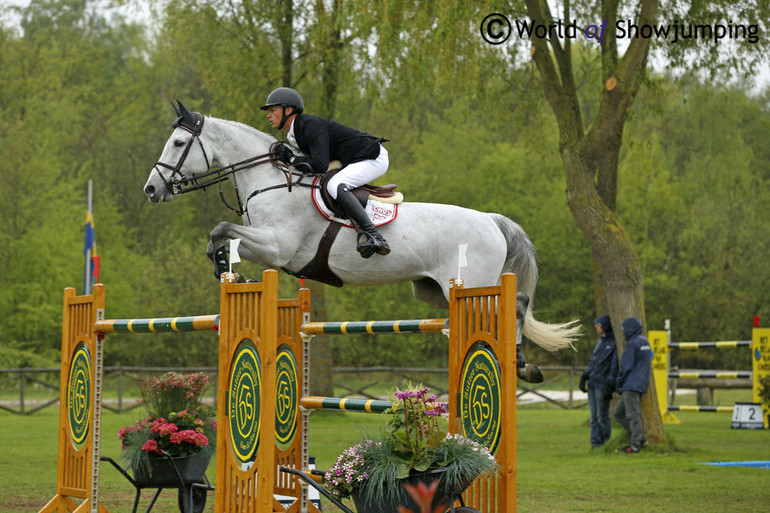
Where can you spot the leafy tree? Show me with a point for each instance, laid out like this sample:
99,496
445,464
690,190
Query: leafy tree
590,148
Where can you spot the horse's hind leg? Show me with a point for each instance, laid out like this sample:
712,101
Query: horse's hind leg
526,371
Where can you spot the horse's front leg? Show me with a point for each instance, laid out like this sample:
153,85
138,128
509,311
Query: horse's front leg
257,245
526,371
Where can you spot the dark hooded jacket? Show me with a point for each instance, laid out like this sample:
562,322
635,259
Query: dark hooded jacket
635,363
602,369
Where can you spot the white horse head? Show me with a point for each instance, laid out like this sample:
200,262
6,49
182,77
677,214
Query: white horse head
190,154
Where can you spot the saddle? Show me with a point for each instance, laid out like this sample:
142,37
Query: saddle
383,193
318,268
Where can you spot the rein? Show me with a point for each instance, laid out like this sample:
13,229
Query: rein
185,184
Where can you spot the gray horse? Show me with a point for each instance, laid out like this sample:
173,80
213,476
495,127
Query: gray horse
283,229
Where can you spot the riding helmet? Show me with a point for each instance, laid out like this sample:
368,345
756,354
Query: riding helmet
285,96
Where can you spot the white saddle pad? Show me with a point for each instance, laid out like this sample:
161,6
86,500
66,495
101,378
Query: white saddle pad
380,213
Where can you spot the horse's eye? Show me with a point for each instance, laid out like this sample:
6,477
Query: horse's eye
178,143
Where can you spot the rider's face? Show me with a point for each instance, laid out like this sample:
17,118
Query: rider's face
275,113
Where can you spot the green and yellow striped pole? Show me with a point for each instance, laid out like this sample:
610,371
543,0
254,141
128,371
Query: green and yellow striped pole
158,325
371,327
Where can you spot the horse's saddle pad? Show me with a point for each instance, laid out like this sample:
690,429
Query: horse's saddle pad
381,210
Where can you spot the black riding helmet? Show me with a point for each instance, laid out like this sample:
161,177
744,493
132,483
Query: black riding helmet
285,97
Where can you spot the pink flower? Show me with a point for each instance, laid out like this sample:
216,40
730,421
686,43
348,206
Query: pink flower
189,436
151,446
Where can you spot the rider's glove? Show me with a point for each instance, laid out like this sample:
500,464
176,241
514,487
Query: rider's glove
284,154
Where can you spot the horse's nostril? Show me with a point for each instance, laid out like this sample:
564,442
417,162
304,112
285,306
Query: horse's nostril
149,190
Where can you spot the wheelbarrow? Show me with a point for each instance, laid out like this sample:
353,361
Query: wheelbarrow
314,478
192,489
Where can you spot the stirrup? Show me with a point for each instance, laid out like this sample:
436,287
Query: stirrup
369,243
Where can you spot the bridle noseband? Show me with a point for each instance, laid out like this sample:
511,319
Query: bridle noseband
184,184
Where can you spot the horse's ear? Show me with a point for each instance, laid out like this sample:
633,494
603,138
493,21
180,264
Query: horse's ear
186,114
176,109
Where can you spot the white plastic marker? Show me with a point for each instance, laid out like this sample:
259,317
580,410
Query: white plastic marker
461,262
234,256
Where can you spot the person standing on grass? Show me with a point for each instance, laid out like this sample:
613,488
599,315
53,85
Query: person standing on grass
598,380
633,380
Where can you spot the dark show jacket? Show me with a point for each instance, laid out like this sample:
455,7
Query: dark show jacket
324,140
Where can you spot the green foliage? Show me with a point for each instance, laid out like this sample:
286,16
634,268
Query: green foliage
173,392
85,96
18,358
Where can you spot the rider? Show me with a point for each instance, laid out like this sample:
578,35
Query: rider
363,158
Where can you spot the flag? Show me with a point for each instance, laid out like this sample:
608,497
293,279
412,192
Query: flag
90,236
234,256
92,261
462,261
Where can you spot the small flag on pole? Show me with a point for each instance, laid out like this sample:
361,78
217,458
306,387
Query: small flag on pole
234,256
461,261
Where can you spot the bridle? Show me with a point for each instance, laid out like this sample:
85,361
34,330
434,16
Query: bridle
184,184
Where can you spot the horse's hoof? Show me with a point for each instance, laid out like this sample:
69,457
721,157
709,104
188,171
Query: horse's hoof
530,373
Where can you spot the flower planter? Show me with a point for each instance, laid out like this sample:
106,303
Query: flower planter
163,471
443,496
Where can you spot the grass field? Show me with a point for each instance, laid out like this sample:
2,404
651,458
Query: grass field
557,470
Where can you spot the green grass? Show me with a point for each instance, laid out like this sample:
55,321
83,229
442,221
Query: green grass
557,470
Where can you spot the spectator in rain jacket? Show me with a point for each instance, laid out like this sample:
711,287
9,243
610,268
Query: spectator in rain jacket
633,380
598,380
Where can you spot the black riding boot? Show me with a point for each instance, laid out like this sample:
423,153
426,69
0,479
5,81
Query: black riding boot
369,239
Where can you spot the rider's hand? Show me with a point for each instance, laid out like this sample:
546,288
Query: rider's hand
283,153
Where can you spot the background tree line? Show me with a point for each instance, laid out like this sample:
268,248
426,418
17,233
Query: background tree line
84,95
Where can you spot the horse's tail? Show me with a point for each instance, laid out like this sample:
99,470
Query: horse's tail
520,259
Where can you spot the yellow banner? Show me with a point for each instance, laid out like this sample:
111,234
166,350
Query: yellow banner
760,363
659,344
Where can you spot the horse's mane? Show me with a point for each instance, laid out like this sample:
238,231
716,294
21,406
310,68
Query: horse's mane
269,139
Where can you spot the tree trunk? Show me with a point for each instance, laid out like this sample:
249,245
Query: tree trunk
617,264
590,157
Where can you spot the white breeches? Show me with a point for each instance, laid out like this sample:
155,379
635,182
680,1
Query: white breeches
360,173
